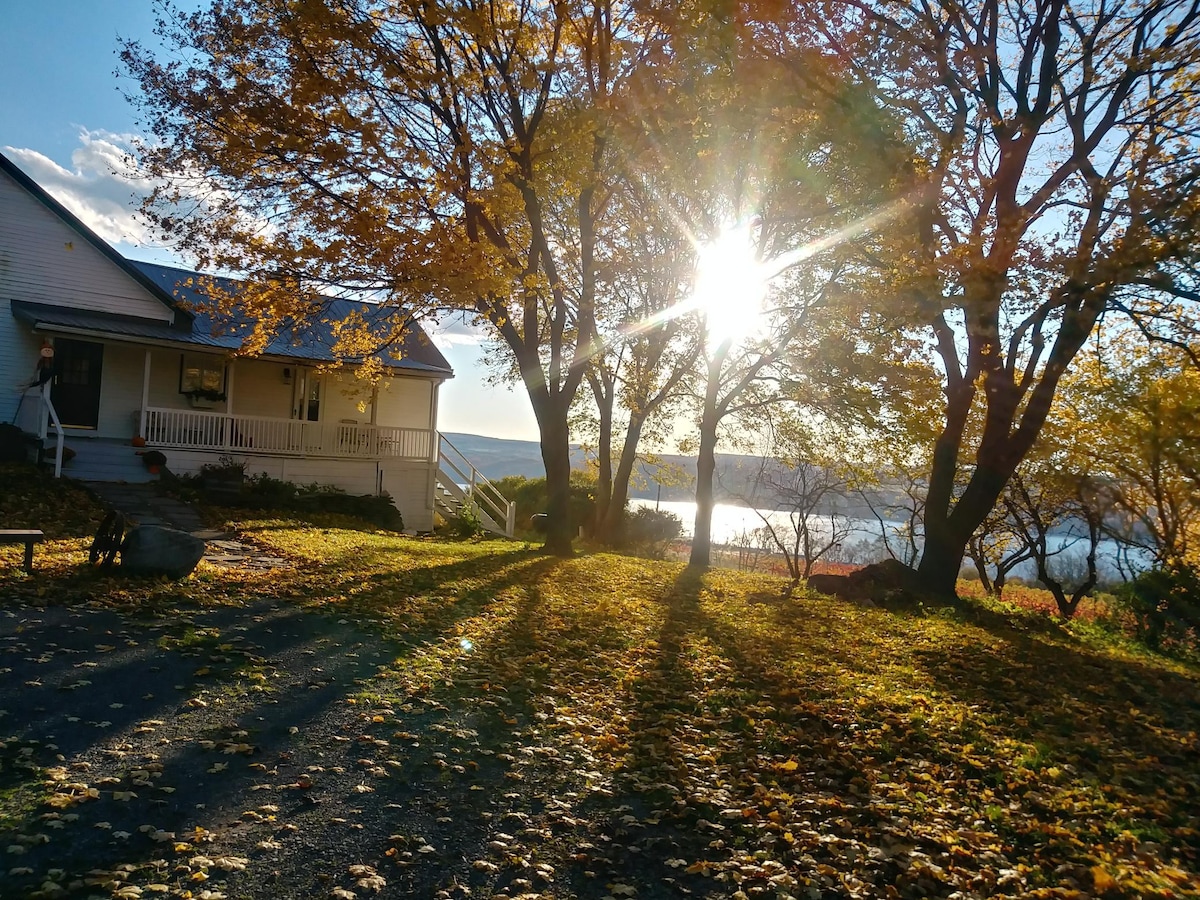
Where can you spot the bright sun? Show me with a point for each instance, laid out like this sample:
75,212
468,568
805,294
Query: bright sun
730,285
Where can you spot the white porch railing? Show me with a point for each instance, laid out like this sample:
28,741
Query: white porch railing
58,429
193,430
37,416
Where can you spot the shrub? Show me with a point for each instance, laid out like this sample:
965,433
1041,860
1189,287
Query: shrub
529,494
1165,604
650,531
466,524
378,509
14,444
262,492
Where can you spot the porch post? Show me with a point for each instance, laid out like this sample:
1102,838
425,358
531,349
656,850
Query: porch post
434,448
145,395
434,386
373,421
227,425
229,388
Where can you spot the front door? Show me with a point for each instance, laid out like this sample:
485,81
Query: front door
306,407
75,392
306,398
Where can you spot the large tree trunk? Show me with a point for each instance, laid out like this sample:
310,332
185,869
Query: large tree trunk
556,457
706,466
604,473
947,536
1009,430
614,520
706,463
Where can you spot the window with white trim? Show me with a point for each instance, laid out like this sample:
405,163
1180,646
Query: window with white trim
201,374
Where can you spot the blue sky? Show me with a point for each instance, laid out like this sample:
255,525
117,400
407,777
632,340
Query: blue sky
65,122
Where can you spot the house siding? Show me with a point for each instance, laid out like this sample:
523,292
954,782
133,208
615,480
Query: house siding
406,401
120,390
44,260
411,488
18,366
259,389
343,394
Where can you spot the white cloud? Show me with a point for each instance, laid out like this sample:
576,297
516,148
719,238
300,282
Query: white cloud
100,187
456,330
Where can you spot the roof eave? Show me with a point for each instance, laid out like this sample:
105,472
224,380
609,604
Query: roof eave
41,327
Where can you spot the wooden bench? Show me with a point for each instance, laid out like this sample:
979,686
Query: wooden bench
26,536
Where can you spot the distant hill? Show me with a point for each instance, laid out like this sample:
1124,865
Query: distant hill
497,458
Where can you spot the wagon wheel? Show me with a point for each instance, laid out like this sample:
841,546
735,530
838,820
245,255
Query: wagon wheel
108,540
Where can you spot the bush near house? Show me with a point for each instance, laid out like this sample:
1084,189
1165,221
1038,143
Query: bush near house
649,532
262,492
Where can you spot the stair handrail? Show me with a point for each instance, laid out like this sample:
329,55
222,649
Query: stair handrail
58,450
479,486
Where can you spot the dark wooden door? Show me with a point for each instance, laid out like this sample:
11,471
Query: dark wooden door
76,389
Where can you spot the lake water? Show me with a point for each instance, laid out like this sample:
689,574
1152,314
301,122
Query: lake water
730,522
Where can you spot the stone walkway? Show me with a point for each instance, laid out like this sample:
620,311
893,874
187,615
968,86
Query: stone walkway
146,504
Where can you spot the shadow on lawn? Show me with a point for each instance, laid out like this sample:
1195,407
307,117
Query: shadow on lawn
274,689
762,728
1123,716
709,735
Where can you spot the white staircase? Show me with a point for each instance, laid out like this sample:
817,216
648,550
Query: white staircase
460,485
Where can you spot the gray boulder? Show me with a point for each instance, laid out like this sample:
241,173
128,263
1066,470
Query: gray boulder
155,550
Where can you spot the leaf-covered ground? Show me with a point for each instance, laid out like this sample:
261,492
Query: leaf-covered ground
399,718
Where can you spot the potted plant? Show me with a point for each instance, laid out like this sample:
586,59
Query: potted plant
204,398
154,460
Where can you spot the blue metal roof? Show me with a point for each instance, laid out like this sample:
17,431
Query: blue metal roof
312,342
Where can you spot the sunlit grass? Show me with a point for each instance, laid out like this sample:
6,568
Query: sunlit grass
735,719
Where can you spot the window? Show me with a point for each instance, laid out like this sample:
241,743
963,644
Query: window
199,374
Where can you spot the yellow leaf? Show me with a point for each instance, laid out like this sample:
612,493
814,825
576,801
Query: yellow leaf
1101,880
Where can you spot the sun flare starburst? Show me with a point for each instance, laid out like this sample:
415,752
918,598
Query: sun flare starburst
730,285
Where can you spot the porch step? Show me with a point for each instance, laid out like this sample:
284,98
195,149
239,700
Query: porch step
97,459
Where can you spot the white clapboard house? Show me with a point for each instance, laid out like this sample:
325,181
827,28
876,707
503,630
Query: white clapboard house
127,349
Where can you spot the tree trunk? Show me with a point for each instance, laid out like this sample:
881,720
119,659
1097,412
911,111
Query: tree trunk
604,474
946,537
979,558
706,466
614,520
556,457
706,463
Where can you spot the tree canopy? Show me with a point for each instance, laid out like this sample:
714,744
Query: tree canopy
408,151
1055,182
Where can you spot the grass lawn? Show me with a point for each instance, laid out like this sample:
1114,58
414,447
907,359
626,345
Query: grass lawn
399,717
